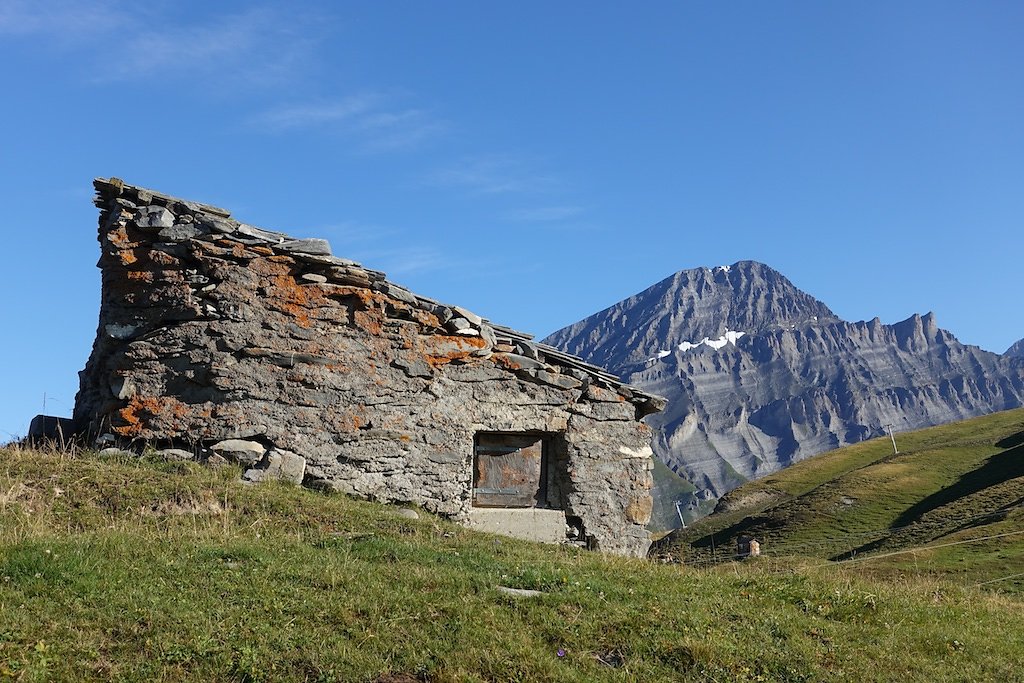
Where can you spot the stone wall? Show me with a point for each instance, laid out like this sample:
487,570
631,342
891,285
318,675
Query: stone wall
222,340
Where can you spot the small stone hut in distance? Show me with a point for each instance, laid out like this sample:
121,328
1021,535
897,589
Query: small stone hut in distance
223,340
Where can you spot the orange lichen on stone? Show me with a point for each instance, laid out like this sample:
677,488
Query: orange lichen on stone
368,322
127,257
348,422
288,296
368,297
270,266
505,362
448,348
140,275
119,238
426,319
263,251
142,411
162,258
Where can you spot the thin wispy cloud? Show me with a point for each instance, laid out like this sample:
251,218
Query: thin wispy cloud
391,131
383,248
544,214
353,234
117,41
260,46
492,175
405,261
292,116
377,120
65,20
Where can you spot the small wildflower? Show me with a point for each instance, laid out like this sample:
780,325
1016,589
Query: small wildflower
561,652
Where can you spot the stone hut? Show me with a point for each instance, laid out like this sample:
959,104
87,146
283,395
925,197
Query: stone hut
222,340
747,546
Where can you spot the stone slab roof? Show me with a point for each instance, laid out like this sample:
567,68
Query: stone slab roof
521,347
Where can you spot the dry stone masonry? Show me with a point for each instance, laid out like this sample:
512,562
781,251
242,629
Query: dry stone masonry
225,342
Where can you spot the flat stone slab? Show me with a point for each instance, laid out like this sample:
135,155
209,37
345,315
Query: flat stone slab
316,247
154,217
278,464
530,524
246,453
113,451
176,454
519,592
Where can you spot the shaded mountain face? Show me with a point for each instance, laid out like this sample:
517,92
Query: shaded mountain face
1016,351
760,375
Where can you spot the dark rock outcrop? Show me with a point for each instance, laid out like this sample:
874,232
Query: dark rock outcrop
759,374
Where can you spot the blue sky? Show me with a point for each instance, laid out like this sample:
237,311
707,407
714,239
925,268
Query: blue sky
535,162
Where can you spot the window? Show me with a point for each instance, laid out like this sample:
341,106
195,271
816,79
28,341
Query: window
509,470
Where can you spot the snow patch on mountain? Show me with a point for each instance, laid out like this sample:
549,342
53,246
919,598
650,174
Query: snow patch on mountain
729,337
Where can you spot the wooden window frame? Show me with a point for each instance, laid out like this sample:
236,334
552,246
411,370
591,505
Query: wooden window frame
514,496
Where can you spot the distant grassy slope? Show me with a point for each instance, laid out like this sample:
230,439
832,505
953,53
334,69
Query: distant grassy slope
670,488
947,484
138,571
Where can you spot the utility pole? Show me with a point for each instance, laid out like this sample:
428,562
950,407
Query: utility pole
680,513
895,451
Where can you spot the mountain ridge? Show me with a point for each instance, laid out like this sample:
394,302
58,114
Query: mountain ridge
760,374
693,294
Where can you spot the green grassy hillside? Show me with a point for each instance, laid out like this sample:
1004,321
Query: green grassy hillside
144,571
947,488
673,496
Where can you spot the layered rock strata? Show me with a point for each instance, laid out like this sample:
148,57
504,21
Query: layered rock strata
240,344
760,375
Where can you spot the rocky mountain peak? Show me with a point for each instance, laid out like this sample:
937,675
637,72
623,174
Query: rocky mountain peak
759,374
918,332
714,305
